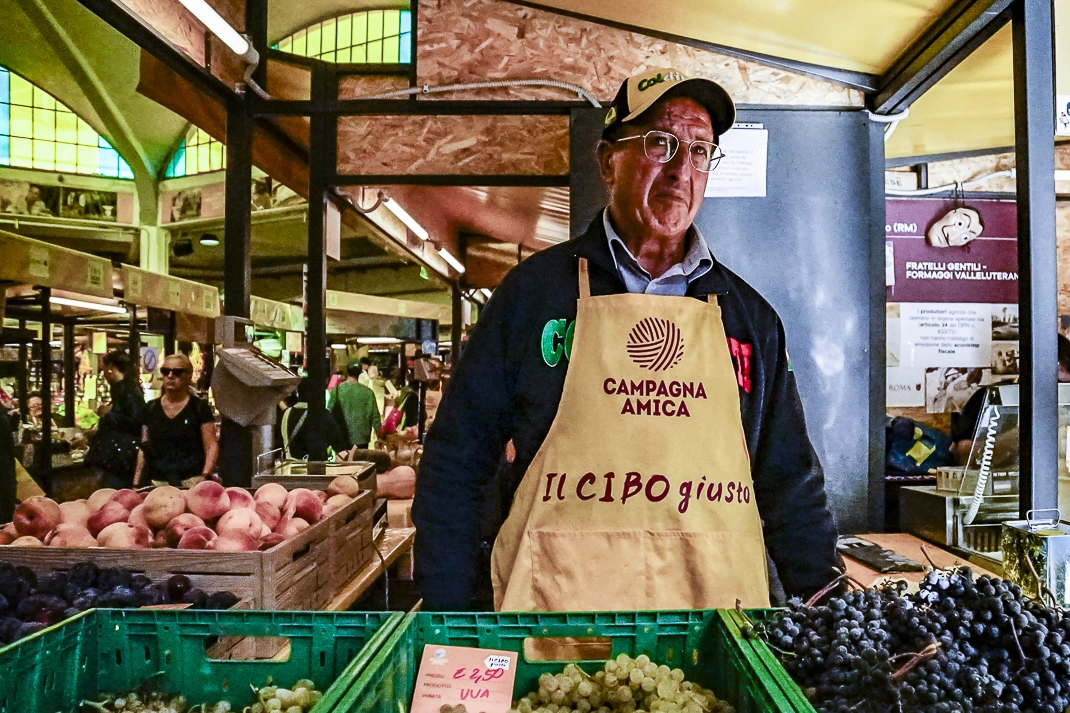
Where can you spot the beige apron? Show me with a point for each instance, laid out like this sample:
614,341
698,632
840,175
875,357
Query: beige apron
641,496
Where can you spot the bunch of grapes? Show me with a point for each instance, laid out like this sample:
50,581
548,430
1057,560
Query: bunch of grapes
957,645
625,685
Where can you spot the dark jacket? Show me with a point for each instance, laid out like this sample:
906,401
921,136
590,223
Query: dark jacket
504,389
298,438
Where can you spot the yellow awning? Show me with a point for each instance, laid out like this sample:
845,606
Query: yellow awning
971,108
846,34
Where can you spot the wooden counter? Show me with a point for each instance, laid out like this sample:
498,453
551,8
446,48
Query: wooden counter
908,546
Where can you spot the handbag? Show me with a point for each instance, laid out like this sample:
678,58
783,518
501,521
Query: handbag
113,450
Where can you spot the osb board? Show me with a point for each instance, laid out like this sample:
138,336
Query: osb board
473,145
1062,233
943,173
355,86
480,40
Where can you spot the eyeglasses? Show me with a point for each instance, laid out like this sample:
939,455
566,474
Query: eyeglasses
661,146
168,371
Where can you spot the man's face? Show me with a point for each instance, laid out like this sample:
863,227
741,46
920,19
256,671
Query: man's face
35,406
177,376
657,198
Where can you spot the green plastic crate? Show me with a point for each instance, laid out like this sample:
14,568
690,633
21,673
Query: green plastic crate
699,642
114,650
775,671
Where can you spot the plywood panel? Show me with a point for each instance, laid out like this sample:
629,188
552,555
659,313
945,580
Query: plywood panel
354,86
472,145
174,22
480,40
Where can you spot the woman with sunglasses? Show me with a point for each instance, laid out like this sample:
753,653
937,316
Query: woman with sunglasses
179,444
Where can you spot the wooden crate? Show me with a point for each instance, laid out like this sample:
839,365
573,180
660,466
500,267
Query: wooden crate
294,475
294,575
352,547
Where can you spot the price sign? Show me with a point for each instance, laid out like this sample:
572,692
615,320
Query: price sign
481,679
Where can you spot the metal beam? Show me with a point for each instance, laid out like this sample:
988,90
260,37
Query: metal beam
147,38
1034,127
402,107
961,30
236,443
453,179
321,164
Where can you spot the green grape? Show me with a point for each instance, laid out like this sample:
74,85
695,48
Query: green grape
557,697
650,670
583,706
524,706
623,660
677,675
611,680
648,684
565,684
642,660
585,688
636,676
544,695
548,681
667,688
597,699
664,670
611,666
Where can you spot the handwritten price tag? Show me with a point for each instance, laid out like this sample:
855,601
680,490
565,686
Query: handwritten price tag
480,679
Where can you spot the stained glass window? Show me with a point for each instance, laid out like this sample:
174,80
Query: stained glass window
369,37
197,153
36,131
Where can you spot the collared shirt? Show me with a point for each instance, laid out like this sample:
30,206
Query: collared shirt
674,281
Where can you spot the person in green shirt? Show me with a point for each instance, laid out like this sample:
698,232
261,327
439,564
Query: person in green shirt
354,407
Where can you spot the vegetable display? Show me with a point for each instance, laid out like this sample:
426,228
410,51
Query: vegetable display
958,644
29,603
625,685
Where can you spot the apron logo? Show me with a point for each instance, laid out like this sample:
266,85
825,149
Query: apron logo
656,344
741,354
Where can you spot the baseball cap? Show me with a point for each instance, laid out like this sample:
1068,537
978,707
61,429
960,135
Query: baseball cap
639,92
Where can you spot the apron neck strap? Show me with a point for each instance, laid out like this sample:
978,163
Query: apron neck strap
585,280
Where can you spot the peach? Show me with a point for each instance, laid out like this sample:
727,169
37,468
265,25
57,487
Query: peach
70,535
111,513
124,536
96,500
129,498
265,530
27,541
305,504
269,514
179,526
344,485
241,520
75,512
160,541
163,504
294,528
197,538
37,516
322,495
207,500
240,498
273,493
137,516
235,541
6,538
270,540
336,503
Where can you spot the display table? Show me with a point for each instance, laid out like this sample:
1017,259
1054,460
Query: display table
392,544
908,546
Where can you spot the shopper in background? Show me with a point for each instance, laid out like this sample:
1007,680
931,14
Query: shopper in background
8,478
353,406
365,366
178,442
295,428
113,449
35,409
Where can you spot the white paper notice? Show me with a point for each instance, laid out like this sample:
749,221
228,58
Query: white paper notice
906,387
1062,115
945,334
741,173
889,264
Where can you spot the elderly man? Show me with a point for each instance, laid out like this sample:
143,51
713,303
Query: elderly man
660,442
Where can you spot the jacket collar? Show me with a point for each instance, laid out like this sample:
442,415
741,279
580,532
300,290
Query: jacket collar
594,245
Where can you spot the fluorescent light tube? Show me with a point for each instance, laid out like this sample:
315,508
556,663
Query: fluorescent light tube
113,309
394,207
338,346
454,262
378,340
218,26
486,293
